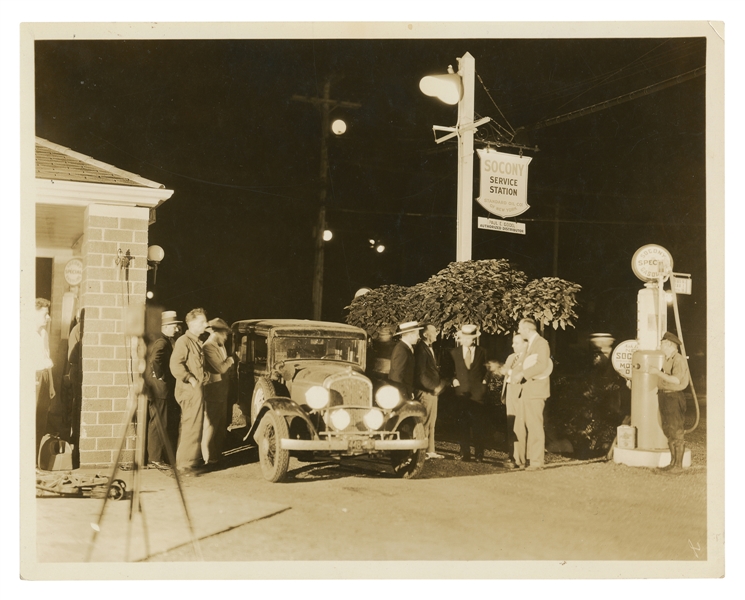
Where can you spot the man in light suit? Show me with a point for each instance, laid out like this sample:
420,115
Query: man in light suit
401,374
536,387
428,383
469,365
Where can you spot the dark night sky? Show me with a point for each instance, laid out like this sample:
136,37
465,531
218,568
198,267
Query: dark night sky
215,121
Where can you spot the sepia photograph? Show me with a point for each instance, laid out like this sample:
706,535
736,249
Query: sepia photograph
372,300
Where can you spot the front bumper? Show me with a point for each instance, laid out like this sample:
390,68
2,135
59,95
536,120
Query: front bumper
352,445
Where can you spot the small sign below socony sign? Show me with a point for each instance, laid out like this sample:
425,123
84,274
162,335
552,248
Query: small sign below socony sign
504,183
499,225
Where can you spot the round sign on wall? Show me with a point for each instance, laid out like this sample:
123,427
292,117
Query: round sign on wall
622,355
652,261
74,271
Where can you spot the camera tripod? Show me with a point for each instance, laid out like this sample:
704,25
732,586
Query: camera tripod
137,406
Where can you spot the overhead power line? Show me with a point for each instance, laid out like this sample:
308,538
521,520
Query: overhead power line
650,89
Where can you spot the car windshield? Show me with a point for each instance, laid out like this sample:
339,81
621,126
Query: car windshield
322,348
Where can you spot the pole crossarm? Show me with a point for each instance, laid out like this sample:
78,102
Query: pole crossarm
331,104
457,130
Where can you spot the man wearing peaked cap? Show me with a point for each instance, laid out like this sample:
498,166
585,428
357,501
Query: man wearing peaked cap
217,365
468,370
401,374
217,325
673,378
161,386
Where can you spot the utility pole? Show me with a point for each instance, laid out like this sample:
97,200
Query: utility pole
467,70
325,105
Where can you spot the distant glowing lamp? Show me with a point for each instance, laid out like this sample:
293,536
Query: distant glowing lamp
150,295
380,248
362,292
338,127
327,235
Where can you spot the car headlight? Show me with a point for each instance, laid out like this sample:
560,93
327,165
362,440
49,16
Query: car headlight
317,397
387,397
340,419
373,419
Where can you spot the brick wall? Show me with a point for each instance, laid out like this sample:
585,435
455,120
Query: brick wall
106,291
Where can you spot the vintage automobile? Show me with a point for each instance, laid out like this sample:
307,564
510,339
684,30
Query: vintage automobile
303,388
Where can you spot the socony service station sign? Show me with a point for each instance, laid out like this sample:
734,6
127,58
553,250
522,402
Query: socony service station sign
504,183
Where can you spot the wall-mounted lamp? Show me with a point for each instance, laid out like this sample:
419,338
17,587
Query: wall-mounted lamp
123,259
155,254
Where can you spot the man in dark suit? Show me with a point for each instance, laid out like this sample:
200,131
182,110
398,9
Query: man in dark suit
534,373
161,386
402,358
469,381
427,382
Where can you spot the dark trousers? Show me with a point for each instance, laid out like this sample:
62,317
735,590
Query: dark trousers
672,413
156,445
472,426
42,407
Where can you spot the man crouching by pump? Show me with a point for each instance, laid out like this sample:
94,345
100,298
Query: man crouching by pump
672,380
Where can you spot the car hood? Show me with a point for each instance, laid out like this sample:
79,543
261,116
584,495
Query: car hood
304,375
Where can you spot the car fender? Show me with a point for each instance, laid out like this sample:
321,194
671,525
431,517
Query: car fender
408,409
285,407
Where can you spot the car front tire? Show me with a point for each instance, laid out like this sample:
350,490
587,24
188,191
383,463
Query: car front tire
274,459
408,464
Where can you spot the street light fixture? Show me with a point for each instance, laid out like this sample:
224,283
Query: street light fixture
327,235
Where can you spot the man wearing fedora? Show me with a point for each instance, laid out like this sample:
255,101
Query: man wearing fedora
672,380
160,383
469,381
217,364
402,358
536,388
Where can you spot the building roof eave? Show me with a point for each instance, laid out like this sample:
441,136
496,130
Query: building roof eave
73,193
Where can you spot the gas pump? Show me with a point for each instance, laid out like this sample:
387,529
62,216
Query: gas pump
643,444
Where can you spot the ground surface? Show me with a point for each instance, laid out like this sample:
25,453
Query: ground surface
354,510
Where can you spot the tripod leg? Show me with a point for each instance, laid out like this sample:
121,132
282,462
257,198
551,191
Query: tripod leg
172,461
114,469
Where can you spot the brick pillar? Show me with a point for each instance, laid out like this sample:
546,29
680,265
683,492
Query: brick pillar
105,293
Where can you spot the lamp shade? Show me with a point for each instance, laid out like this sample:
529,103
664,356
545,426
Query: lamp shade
155,254
448,88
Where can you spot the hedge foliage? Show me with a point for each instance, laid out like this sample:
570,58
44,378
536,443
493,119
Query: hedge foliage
487,293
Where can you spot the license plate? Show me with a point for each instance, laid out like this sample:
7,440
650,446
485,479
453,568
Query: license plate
356,444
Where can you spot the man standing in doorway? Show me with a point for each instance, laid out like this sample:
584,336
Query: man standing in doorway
43,366
427,382
402,358
187,366
672,380
536,388
161,385
469,362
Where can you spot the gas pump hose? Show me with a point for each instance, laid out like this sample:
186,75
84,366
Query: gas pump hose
685,357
